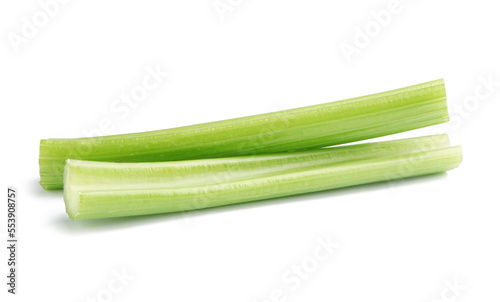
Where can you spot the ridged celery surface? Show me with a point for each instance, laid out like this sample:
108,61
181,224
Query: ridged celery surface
103,189
302,128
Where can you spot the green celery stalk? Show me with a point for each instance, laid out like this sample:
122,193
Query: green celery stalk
302,128
82,175
101,189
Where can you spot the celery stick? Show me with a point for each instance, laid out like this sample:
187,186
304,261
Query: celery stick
302,128
127,193
82,175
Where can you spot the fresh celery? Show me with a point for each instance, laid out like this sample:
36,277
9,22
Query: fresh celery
103,189
302,128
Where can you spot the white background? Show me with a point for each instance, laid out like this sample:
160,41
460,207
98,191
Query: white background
400,241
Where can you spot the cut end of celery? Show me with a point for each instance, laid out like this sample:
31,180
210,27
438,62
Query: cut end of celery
50,187
71,197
